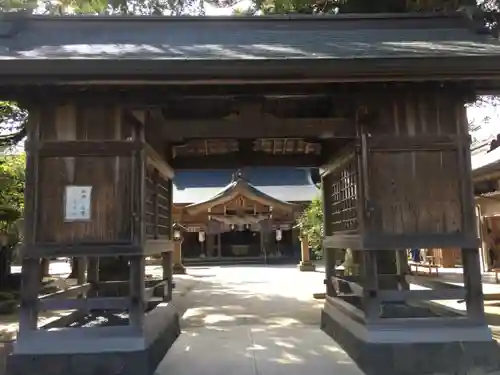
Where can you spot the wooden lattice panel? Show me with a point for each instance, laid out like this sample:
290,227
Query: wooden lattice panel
150,203
164,207
158,206
343,198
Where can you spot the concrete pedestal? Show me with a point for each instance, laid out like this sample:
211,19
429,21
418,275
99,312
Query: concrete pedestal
97,350
179,269
306,266
413,351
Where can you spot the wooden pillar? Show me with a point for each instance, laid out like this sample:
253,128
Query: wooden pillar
402,268
30,285
371,302
219,244
137,290
482,231
329,254
178,267
93,275
167,267
472,282
305,264
30,277
210,244
80,272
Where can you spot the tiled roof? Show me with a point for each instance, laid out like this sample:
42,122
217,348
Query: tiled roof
167,38
485,161
282,183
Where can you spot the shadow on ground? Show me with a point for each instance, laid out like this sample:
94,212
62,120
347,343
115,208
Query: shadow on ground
252,327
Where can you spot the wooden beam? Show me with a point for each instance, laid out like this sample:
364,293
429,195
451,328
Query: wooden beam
80,249
149,292
425,295
338,159
101,303
73,291
86,148
156,93
254,127
391,143
235,160
139,115
160,164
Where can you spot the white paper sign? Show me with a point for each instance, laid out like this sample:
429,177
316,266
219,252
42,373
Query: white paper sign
78,201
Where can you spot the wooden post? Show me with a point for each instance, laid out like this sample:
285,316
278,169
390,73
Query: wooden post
167,266
371,302
30,284
93,275
472,282
178,267
219,243
402,265
80,272
137,289
329,254
305,264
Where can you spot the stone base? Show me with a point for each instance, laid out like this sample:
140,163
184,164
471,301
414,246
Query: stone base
128,355
307,266
442,356
179,269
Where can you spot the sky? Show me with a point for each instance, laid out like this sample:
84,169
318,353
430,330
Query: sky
488,118
211,10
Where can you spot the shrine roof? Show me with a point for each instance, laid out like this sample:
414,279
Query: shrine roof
72,40
485,162
280,183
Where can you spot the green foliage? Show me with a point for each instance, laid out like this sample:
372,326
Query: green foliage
12,124
311,224
365,6
12,182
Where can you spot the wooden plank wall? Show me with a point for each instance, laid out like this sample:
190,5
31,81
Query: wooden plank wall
110,177
418,175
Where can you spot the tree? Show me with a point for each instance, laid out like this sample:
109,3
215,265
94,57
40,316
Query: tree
11,207
367,6
311,224
475,124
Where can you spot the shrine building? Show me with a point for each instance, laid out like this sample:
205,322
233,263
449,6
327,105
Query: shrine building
248,214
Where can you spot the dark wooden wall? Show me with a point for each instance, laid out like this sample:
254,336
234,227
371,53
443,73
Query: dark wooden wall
406,179
417,150
109,176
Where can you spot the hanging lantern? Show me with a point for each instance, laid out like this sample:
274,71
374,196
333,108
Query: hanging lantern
177,234
279,235
201,236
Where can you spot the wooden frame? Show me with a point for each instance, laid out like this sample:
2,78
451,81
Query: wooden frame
120,161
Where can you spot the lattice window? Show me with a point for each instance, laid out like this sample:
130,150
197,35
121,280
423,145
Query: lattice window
164,207
149,209
343,195
158,207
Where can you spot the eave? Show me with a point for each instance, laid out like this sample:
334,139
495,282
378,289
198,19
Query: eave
239,187
479,69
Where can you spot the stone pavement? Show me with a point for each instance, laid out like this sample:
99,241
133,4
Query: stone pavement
252,320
